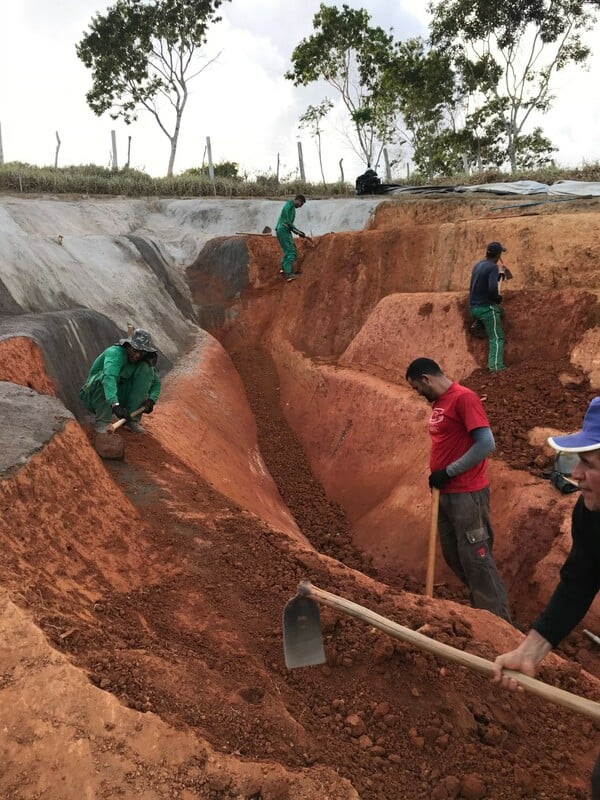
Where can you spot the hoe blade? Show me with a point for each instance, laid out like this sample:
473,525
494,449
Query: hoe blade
302,639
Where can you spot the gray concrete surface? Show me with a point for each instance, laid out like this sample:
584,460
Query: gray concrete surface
74,273
125,258
29,421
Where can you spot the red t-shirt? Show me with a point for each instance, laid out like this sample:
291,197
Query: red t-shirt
457,412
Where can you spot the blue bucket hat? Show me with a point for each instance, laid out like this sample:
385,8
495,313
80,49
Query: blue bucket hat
588,438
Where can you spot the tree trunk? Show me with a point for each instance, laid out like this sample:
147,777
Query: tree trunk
174,139
320,157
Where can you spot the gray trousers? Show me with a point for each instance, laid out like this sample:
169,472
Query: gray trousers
467,538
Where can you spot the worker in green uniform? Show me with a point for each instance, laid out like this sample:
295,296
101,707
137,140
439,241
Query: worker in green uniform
284,230
122,379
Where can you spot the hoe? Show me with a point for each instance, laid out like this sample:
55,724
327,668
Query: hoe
303,644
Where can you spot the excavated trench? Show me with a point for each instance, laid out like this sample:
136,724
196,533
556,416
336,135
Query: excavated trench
288,447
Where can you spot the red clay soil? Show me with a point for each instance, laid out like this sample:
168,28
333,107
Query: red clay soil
202,647
169,596
175,606
541,387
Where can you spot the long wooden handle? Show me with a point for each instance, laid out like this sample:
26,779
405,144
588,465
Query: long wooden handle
116,425
576,703
435,508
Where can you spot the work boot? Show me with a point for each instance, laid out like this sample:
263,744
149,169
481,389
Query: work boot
291,277
135,426
101,427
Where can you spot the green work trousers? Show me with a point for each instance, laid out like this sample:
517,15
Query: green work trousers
491,317
289,250
131,392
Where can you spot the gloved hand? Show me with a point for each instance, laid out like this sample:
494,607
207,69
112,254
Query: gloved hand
120,411
506,275
438,478
148,405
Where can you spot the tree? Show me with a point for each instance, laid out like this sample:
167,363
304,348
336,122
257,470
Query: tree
428,98
349,54
506,55
224,169
141,52
312,118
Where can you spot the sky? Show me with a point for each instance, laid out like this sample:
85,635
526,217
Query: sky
242,101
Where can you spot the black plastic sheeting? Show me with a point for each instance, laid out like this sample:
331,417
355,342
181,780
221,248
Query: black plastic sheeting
151,254
30,420
8,305
70,341
218,275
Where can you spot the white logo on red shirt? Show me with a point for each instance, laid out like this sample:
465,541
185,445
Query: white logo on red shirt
437,416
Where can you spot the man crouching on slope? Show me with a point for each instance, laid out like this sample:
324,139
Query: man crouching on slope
122,379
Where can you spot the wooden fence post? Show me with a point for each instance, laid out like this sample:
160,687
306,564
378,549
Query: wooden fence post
211,169
57,149
115,163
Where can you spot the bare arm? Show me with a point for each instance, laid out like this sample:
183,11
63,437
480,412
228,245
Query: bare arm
525,658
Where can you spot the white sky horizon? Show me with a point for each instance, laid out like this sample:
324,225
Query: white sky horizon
243,102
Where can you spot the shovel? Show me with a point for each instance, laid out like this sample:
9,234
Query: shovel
303,644
435,510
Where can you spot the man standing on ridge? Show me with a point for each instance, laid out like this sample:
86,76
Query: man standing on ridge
284,230
580,574
122,379
461,440
485,299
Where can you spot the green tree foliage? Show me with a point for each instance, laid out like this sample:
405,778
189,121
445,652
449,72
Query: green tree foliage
224,169
428,97
506,55
141,53
350,55
312,119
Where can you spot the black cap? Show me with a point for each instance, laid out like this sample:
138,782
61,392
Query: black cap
494,249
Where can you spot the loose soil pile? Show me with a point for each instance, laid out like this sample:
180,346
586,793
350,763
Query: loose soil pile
169,596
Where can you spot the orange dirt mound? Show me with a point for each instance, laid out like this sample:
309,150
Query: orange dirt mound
163,577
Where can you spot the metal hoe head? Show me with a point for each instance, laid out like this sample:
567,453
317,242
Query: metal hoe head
302,638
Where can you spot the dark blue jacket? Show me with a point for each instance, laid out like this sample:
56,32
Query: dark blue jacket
484,284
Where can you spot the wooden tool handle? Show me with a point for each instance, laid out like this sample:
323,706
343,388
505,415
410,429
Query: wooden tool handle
435,508
116,425
576,703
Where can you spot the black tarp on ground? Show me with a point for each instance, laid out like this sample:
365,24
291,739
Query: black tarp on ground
215,278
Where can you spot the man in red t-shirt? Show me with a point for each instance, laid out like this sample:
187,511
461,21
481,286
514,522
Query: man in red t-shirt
461,440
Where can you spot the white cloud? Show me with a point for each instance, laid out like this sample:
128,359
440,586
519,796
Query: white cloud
242,102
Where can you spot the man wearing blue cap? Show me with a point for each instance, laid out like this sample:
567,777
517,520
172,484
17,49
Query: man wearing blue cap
485,299
580,574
